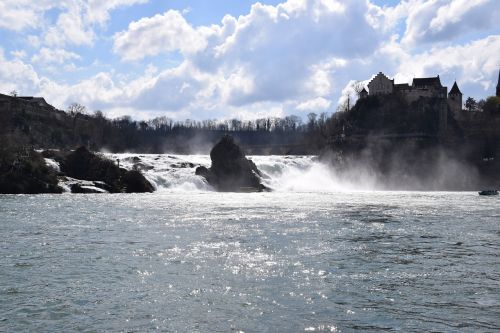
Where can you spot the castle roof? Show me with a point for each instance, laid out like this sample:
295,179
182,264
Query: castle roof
454,90
402,86
426,81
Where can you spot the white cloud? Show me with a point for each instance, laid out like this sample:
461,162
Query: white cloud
74,25
298,56
97,11
158,34
315,105
444,20
70,29
472,64
18,15
16,75
280,47
58,56
20,54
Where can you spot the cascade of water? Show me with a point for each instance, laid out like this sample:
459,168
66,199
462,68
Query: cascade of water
281,173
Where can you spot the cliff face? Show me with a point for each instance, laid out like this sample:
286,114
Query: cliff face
391,115
36,124
422,143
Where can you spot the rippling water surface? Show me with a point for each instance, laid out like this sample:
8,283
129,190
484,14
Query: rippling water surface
289,262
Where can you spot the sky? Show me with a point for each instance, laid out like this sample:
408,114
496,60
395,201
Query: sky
217,59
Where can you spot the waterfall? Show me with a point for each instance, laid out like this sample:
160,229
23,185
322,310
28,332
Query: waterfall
170,172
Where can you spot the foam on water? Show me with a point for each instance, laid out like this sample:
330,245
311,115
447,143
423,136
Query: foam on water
281,173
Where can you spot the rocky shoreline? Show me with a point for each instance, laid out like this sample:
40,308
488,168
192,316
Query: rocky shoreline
78,171
84,172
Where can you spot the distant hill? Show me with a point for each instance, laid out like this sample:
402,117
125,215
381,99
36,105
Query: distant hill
35,123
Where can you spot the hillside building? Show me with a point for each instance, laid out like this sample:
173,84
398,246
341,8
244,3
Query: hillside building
427,87
380,85
40,101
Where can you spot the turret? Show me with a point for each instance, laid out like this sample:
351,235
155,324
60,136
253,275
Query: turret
363,93
455,98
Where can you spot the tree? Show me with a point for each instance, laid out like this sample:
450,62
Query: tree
470,104
98,114
311,123
492,105
13,93
345,106
358,87
75,109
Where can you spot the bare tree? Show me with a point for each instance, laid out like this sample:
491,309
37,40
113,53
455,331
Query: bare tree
13,93
311,123
75,109
344,106
358,87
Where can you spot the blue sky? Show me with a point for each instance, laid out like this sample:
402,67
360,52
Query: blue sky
206,59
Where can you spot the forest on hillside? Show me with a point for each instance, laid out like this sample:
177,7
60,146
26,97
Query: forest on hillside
41,126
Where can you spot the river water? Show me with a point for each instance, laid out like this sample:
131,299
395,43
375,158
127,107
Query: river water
313,256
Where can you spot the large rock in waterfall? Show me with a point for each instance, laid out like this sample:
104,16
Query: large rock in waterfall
86,165
231,171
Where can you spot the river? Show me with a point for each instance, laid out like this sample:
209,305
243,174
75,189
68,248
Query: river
316,255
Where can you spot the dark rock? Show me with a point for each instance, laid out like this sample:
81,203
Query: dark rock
231,171
134,182
25,171
85,165
205,173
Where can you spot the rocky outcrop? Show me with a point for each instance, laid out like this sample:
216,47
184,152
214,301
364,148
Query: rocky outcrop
85,165
231,171
25,171
134,182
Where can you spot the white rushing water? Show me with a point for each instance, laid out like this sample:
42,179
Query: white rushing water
281,173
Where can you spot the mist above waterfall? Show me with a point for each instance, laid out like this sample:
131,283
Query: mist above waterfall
365,172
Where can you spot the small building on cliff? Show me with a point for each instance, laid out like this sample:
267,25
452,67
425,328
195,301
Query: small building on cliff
380,85
426,87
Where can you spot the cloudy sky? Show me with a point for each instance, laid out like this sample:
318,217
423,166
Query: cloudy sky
207,59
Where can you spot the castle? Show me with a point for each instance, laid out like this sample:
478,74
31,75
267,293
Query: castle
428,87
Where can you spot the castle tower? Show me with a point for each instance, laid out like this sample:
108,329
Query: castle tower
363,93
455,98
498,84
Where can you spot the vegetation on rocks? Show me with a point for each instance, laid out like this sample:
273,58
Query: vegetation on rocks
24,171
